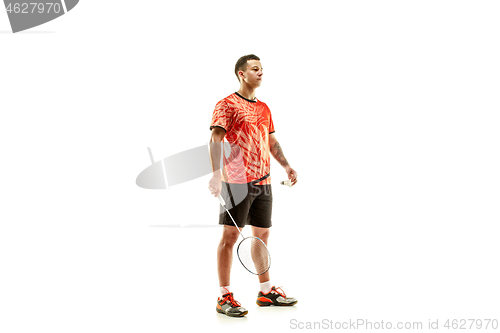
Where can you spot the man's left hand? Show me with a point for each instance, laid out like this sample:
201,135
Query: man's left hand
292,175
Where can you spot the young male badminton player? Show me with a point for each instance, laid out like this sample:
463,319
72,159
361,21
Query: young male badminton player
245,183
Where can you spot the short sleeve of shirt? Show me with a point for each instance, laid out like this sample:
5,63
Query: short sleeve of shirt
271,124
221,116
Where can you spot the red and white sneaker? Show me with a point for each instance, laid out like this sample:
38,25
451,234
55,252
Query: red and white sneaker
275,297
229,306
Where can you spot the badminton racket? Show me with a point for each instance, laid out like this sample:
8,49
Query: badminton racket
252,251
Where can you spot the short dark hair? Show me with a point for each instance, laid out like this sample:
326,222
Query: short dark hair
241,64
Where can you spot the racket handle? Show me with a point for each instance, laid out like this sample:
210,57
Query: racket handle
222,202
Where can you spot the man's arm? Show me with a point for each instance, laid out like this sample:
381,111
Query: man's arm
215,147
215,154
277,152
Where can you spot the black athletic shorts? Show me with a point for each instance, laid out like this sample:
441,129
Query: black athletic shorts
248,204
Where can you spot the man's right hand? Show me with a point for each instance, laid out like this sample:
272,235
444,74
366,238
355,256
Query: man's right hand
215,184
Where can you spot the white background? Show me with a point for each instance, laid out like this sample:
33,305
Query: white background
388,110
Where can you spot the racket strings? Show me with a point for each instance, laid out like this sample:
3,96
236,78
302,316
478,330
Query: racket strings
254,255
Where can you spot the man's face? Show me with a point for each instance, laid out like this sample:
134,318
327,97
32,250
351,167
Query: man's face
253,74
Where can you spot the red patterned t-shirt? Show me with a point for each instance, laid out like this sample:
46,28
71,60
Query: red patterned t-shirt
248,125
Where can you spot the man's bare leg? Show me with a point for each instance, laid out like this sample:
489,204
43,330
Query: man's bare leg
225,254
262,233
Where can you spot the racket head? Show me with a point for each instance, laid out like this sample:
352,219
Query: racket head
254,255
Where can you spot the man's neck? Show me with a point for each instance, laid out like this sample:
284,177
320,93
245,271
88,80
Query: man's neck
248,93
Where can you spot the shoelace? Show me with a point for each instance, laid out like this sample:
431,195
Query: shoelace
230,298
282,292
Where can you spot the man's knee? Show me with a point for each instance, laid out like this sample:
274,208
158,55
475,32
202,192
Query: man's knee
230,236
262,233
